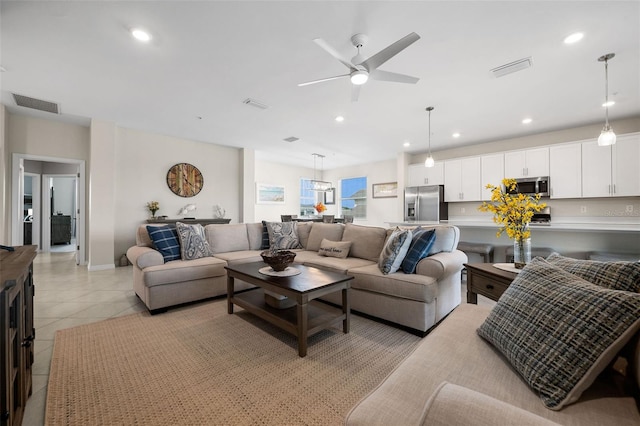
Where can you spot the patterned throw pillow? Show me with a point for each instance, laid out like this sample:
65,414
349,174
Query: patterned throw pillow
419,249
165,240
560,331
614,275
394,251
339,249
193,243
282,235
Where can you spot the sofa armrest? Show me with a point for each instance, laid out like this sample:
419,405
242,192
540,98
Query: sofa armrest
442,264
143,257
456,405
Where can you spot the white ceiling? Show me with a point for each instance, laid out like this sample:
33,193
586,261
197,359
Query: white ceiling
207,57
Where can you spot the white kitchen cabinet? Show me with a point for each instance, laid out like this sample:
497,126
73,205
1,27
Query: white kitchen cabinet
611,171
565,171
419,175
526,163
462,179
491,172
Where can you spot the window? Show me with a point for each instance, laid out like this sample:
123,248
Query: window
307,198
353,193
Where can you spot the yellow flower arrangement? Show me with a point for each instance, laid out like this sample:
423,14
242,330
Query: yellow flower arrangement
320,207
153,207
512,211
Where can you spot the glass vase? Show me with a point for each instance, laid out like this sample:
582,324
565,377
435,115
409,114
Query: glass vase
521,252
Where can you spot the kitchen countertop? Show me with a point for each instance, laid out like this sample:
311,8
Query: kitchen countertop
564,224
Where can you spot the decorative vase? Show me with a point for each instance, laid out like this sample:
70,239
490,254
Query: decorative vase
521,252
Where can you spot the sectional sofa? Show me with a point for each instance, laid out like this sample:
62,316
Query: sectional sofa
416,301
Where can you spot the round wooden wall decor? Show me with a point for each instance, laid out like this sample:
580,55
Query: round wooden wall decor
185,180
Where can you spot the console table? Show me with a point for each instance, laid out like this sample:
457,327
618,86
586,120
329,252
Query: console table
17,331
202,222
487,280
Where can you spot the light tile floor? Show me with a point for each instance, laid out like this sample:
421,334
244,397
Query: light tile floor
67,295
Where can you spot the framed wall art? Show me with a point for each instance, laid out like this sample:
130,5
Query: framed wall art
330,196
385,190
269,194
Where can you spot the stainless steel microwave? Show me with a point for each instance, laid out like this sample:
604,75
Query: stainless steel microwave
532,186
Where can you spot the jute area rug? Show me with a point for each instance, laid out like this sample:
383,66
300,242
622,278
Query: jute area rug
198,365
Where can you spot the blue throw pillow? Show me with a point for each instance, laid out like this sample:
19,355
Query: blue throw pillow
165,240
265,236
418,250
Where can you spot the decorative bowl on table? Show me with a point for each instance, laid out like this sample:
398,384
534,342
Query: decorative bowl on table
278,259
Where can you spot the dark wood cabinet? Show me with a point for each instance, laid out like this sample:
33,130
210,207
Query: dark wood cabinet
60,229
17,332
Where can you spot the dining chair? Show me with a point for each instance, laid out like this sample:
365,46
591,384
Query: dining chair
286,217
327,218
348,218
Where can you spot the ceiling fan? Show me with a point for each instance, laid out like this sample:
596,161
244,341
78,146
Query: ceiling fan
360,69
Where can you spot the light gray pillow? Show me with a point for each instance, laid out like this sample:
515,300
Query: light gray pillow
193,244
394,251
283,235
366,241
558,331
321,231
339,249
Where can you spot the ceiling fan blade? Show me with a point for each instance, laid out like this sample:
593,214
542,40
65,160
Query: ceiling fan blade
322,80
355,92
333,52
390,51
393,76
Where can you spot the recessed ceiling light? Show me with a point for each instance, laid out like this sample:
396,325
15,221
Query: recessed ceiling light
339,119
456,135
141,35
608,104
406,144
527,121
573,38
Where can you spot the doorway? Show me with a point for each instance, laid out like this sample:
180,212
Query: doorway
69,201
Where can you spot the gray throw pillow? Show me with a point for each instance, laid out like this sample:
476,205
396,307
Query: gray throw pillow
559,331
193,243
339,249
394,251
614,275
283,235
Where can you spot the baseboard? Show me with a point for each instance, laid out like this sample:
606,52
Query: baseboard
93,268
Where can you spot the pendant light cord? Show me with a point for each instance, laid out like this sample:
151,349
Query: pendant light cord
606,92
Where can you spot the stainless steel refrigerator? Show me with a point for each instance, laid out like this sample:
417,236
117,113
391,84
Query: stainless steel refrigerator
425,204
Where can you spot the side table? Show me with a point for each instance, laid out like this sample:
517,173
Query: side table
486,280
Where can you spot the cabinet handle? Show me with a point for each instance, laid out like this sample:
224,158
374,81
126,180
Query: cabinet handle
426,180
614,188
609,190
489,287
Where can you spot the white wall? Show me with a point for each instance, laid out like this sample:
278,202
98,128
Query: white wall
280,174
142,160
379,210
4,176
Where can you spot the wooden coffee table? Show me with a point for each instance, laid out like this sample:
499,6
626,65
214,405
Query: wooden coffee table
487,280
304,319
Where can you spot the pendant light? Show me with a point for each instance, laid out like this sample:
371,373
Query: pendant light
429,162
319,185
607,137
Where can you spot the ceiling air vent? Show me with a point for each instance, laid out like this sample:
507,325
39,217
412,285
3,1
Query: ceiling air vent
512,67
33,103
255,103
291,139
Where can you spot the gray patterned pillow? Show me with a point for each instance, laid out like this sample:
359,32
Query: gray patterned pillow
283,235
614,275
559,331
394,251
193,243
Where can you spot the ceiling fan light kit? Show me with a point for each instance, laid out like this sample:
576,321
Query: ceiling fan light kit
360,69
607,136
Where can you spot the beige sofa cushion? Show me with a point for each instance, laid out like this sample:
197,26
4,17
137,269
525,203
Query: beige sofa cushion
366,241
177,271
331,263
229,237
454,352
254,235
322,231
397,284
142,235
242,256
456,405
304,229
